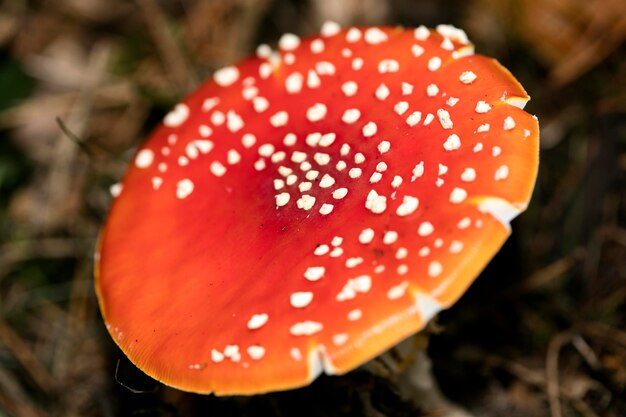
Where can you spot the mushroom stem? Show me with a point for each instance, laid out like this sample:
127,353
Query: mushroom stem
408,366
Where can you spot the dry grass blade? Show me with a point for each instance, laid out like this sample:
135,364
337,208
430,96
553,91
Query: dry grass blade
177,65
22,352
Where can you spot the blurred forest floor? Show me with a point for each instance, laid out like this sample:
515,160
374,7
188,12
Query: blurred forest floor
542,332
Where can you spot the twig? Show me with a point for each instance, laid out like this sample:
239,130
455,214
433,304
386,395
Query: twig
552,371
73,137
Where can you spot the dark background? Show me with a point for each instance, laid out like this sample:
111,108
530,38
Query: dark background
542,332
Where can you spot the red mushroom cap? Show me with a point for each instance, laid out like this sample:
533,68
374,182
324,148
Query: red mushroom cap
307,209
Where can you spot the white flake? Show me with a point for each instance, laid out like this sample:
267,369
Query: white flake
209,103
351,115
293,83
374,36
390,237
305,186
447,44
418,171
278,184
366,236
330,28
233,157
306,328
452,143
397,291
353,262
325,68
116,189
340,339
464,223
357,64
217,168
260,164
326,209
502,173
384,146
376,203
327,139
295,354
370,129
453,33
458,195
434,269
456,246
401,107
468,175
414,118
317,46
217,356
301,299
260,104
349,88
355,314
279,119
256,352
282,199
467,77
417,50
425,229
355,173
382,92
444,118
402,253
408,206
375,177
177,116
321,158
432,90
257,321
509,123
451,101
388,66
482,107
434,63
144,158
226,76
316,112
288,42
234,122
340,193
184,188
218,118
314,273
313,80
312,175
321,250
353,35
205,131
483,128
421,33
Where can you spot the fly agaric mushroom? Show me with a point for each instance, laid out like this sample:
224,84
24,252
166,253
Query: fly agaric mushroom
308,208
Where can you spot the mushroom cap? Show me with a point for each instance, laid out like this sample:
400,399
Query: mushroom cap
306,209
